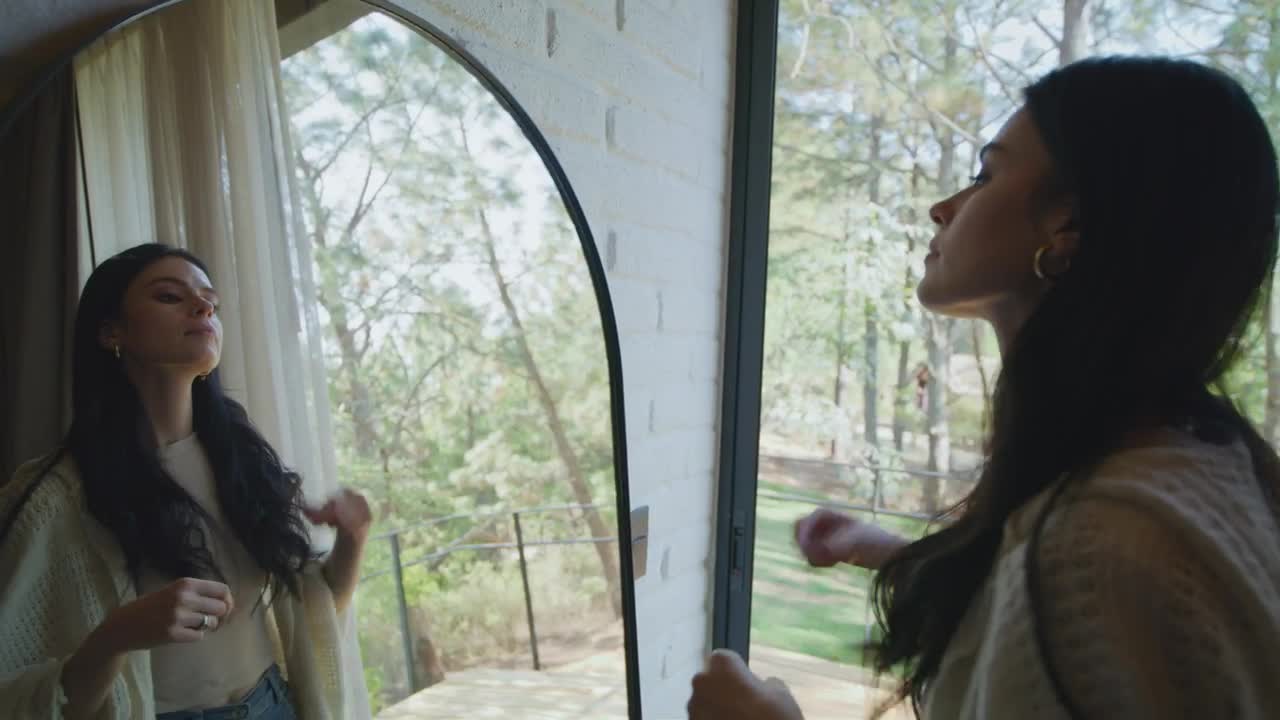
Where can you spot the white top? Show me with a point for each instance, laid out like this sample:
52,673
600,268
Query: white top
225,665
1161,587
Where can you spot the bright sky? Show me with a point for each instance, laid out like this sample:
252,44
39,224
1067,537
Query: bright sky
1018,38
520,229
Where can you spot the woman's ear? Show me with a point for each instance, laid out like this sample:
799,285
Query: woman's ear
1066,239
109,337
1060,230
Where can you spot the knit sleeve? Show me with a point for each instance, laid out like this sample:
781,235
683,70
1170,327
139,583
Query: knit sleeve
311,635
49,601
33,691
1139,625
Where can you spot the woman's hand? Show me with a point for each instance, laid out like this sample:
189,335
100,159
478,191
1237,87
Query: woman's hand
728,690
172,614
349,513
827,537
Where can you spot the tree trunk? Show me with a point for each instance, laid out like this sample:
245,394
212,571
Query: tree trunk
871,333
871,378
938,329
330,298
359,398
842,344
430,669
1272,416
900,397
976,329
1075,31
577,480
938,346
903,389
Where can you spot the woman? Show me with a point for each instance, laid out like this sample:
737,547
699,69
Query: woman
1120,553
158,562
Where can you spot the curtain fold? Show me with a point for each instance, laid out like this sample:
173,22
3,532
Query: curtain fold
186,142
38,275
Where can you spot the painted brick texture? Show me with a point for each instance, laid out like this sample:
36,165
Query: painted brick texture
635,98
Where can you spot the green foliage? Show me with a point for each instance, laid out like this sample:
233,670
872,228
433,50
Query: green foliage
870,95
458,320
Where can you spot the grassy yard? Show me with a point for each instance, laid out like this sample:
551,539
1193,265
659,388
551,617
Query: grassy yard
818,612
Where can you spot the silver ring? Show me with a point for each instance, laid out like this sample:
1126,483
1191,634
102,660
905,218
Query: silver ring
204,622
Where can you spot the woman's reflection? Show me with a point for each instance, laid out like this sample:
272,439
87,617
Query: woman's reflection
166,523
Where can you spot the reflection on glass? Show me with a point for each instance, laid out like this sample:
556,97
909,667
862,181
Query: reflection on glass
467,375
408,312
869,404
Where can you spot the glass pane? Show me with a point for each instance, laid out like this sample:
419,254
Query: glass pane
467,373
381,215
870,405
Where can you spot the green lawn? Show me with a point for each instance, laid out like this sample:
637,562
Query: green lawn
818,612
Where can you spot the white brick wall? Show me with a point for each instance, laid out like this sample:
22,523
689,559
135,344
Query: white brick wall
634,97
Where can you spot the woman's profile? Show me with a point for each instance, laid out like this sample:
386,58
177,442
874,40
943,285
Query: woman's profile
158,564
1119,555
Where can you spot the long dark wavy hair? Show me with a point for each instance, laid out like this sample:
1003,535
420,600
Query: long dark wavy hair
1174,180
156,522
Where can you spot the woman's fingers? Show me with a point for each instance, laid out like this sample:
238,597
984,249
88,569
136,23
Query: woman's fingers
213,607
808,527
801,530
321,514
207,596
188,628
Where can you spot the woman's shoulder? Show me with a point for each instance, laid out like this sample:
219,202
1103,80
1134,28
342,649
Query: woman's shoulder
1174,475
1166,504
1191,484
41,489
1178,488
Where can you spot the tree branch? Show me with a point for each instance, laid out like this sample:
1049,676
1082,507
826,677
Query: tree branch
1057,41
981,51
804,48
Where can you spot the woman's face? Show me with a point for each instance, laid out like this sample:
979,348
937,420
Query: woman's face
168,320
980,262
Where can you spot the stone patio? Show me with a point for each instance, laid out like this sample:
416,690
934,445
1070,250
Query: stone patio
594,689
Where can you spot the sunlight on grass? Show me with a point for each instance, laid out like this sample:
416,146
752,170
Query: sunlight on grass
821,612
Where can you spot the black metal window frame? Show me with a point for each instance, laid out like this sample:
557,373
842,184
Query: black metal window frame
748,250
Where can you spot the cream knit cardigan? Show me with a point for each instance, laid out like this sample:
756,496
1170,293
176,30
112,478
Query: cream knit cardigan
61,572
1161,588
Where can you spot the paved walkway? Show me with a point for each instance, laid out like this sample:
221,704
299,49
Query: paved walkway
594,689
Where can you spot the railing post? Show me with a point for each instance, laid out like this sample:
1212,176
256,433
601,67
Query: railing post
866,608
406,638
528,599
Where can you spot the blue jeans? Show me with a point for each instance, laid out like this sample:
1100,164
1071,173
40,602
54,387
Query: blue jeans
268,700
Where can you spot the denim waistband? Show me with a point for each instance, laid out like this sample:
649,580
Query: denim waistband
270,691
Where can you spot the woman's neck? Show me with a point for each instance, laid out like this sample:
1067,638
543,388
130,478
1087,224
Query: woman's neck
166,399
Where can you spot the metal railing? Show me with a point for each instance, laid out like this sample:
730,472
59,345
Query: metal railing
877,479
398,566
874,509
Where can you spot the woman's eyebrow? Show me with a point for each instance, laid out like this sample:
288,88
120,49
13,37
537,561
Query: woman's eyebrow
204,289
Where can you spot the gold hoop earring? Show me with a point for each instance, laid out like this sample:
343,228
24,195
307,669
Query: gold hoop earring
1035,263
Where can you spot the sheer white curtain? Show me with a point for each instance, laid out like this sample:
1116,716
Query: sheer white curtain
184,135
